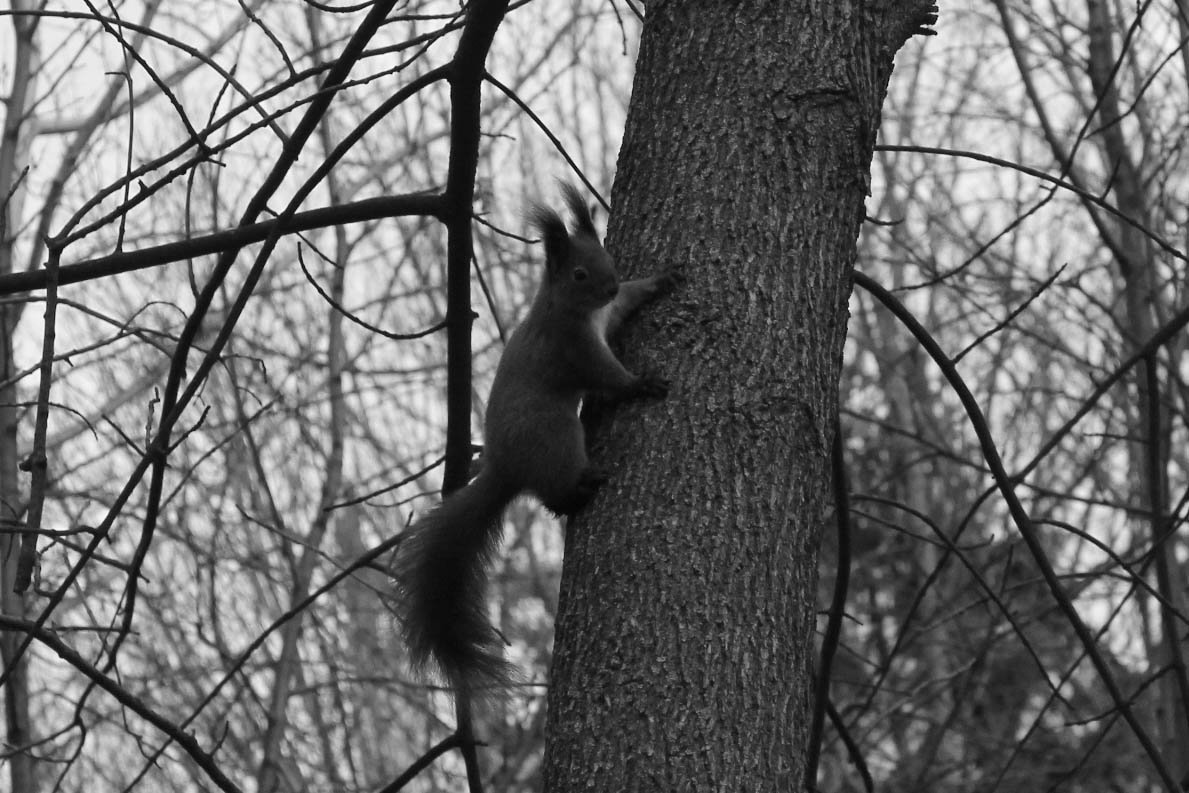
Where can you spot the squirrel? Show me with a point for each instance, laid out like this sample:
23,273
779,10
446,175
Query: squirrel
534,443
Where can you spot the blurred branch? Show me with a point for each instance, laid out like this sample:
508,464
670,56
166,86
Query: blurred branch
1085,195
366,560
173,404
112,24
1021,518
175,732
1162,533
83,137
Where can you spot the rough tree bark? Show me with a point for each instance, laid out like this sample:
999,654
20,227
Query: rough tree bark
685,626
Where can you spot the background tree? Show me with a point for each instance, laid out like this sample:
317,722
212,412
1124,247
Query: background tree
207,604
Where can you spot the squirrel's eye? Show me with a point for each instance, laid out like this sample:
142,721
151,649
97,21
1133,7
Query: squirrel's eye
579,274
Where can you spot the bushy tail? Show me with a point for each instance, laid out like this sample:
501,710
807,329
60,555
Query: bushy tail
441,579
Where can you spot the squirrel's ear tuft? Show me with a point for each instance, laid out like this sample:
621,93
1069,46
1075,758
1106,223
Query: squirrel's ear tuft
579,209
553,234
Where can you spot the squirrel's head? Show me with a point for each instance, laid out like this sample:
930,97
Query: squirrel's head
579,273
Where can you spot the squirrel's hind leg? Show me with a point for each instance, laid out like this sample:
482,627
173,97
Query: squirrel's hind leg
589,482
565,481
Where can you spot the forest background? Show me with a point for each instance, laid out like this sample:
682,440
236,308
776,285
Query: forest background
224,617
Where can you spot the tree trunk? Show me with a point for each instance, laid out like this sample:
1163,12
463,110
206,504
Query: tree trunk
685,625
14,157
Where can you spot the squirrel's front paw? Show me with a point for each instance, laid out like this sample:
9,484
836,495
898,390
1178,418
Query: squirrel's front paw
668,279
650,386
